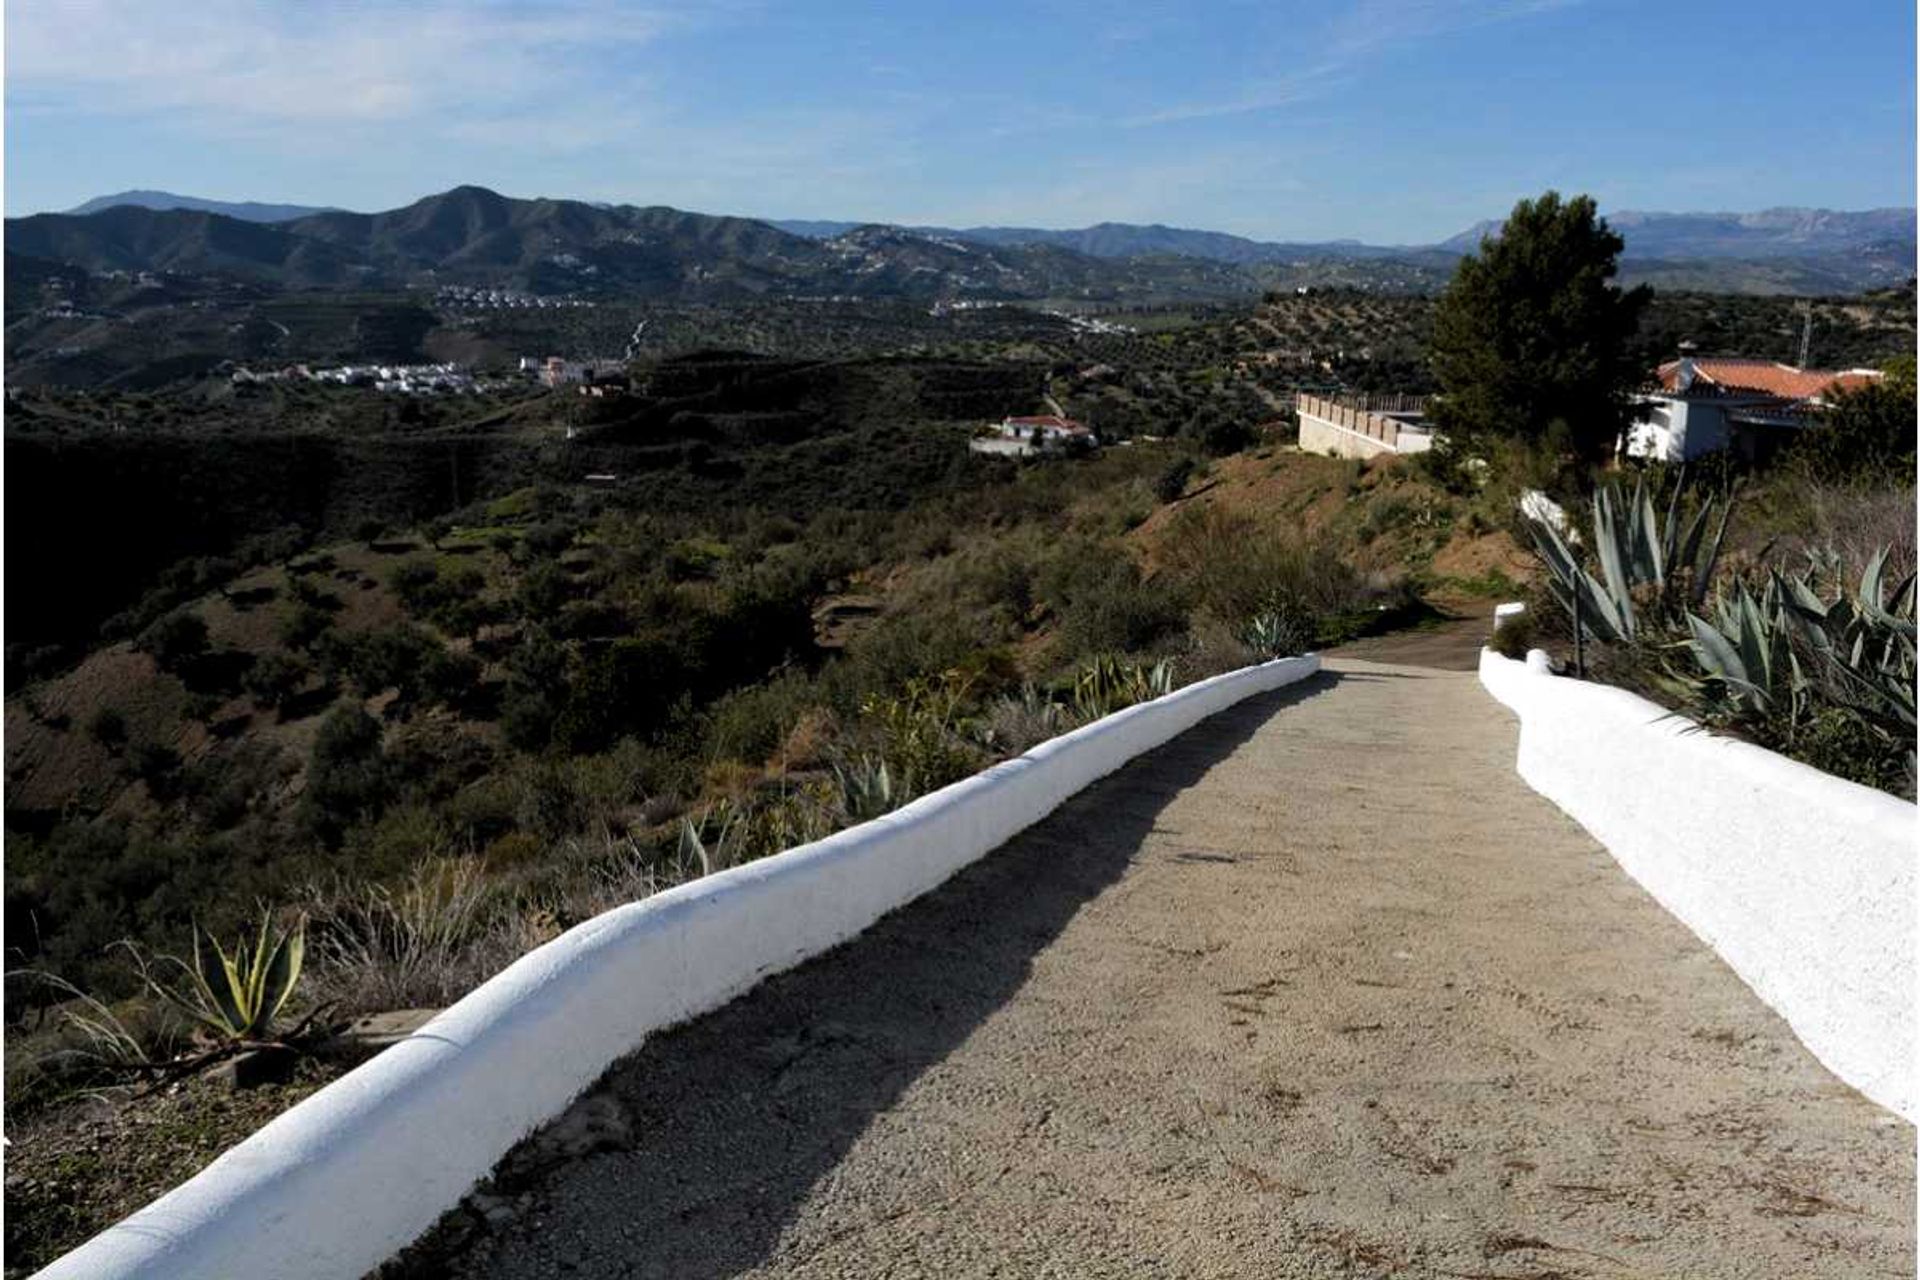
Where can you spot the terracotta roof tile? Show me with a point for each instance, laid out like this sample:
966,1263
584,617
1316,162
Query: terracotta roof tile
1765,377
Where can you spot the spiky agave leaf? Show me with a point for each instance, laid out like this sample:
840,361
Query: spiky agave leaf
1566,579
218,982
281,975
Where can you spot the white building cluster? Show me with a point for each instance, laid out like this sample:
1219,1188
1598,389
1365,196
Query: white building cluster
454,295
407,379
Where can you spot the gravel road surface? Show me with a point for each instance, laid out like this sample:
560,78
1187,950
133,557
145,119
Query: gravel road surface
1319,989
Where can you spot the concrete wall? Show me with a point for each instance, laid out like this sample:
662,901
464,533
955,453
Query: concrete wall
1346,432
1002,445
1803,883
343,1180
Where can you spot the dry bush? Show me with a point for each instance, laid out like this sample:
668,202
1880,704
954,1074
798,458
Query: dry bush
1233,565
807,744
424,945
1214,648
1856,523
1012,724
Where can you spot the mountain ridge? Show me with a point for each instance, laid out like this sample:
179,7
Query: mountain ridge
474,235
245,210
1783,230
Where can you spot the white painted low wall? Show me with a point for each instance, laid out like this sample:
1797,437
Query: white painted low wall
1802,882
342,1181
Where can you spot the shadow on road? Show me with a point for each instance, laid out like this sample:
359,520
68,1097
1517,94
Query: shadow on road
714,1133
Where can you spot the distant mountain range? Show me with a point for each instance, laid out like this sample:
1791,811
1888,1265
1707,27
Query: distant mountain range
1770,233
1131,240
474,236
245,210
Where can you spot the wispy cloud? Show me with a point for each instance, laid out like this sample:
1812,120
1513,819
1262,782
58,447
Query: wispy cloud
238,66
1333,59
1257,95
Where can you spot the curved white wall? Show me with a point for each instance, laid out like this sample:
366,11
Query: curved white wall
343,1180
1802,882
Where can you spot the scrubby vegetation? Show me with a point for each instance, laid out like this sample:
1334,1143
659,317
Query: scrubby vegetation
442,680
567,686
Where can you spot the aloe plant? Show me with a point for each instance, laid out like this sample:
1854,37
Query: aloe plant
238,994
1648,566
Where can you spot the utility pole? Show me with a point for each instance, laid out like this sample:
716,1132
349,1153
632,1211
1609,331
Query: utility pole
1579,637
1806,333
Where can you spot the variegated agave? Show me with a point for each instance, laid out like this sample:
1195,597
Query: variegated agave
1107,684
237,995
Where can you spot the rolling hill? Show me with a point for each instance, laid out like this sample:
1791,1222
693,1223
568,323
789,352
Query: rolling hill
1773,251
471,235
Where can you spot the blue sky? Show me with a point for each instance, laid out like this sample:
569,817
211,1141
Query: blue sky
1393,121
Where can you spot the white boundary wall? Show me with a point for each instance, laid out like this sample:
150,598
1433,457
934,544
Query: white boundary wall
342,1181
1802,882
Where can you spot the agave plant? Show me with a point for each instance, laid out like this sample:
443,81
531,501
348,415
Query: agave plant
237,994
1107,684
1746,653
1787,650
718,853
1276,633
1648,565
866,789
1014,722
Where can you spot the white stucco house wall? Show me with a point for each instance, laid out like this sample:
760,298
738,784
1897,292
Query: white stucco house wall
1702,406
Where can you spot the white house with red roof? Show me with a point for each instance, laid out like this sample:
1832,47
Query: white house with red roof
1041,433
1047,428
1706,404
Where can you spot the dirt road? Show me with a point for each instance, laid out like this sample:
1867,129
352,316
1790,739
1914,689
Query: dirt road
1319,989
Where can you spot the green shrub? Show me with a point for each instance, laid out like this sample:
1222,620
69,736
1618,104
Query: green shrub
108,727
921,734
750,723
1515,635
347,778
1103,606
305,627
275,678
175,640
414,583
1171,483
1234,567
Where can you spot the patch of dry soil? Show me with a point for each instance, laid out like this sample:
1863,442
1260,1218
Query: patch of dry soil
1319,989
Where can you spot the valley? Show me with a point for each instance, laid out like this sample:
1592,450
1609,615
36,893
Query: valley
446,662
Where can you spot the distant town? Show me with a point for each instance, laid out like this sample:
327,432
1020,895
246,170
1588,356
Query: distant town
593,377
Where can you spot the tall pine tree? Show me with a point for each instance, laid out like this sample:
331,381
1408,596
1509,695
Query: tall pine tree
1532,338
